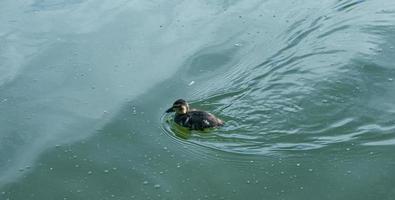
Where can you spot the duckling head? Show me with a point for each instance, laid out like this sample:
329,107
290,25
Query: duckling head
180,107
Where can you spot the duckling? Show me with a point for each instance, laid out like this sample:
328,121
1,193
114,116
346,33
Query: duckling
193,119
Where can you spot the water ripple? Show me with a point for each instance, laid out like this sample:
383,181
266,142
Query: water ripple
315,89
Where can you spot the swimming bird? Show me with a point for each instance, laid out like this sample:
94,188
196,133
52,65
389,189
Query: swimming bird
193,119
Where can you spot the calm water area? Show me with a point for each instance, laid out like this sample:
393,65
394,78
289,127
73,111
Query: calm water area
306,89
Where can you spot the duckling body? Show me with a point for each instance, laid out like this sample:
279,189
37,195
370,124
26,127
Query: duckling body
193,119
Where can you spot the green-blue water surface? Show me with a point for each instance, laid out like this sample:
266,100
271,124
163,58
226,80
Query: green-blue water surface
306,88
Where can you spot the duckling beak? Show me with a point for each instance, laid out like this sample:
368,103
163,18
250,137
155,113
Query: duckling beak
170,110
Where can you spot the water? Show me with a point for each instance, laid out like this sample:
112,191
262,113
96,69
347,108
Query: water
306,89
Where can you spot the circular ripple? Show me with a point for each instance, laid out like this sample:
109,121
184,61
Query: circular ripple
307,87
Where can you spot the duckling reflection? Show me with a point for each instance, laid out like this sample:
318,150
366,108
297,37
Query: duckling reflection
193,119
